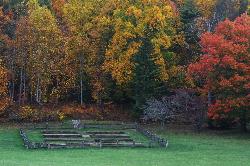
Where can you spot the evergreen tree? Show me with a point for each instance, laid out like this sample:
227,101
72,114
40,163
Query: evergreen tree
188,15
146,82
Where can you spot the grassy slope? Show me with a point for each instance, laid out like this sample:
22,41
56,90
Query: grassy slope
184,150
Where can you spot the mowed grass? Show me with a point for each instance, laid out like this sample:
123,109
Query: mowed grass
185,149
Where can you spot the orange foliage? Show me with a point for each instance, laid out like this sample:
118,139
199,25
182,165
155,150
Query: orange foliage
4,100
109,112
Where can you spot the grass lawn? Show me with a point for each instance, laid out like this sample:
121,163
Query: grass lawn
185,149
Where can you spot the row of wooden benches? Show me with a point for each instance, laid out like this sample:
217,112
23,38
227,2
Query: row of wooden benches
91,138
75,132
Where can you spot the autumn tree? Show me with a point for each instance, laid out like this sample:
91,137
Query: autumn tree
199,16
4,99
100,34
206,7
189,14
138,51
214,11
40,55
224,68
7,24
78,16
105,51
89,31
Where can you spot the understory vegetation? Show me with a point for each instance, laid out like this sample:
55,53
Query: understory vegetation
162,61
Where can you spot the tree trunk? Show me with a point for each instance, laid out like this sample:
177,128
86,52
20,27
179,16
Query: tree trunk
24,87
162,124
243,125
13,90
31,94
57,87
38,91
21,87
209,98
12,86
81,81
101,106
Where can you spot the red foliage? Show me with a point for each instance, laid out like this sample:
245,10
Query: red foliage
224,68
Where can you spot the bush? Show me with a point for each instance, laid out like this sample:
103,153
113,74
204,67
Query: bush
93,112
184,104
32,114
43,113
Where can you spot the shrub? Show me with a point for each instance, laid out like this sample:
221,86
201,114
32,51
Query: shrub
93,112
32,114
172,107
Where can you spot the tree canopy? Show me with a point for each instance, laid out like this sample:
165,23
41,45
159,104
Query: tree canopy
125,51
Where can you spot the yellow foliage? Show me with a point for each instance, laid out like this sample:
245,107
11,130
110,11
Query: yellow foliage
39,46
61,116
149,19
206,7
27,112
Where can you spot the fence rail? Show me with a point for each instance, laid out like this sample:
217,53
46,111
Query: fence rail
153,137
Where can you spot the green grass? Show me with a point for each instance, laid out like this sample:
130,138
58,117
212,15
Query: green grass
185,149
34,135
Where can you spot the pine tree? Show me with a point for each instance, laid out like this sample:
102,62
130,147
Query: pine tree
146,82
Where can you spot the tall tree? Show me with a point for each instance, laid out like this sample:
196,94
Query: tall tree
4,99
143,33
89,31
224,69
189,14
7,24
40,52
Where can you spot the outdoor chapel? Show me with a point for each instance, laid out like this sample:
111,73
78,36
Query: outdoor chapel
124,82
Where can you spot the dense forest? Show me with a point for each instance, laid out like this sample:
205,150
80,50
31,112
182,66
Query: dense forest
144,54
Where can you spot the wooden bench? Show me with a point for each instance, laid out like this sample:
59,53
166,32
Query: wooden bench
62,135
134,144
105,132
64,139
59,132
114,140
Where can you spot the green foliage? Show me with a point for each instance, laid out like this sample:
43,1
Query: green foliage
189,13
46,3
146,82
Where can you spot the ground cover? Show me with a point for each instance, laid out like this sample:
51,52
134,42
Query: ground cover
185,148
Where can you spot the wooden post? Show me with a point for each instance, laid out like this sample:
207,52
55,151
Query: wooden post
100,144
